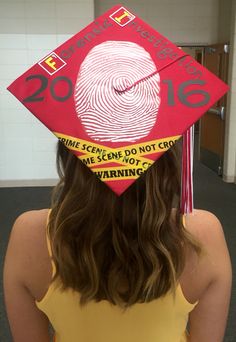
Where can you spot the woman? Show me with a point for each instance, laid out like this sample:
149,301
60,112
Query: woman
124,268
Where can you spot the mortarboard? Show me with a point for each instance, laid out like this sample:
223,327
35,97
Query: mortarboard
118,94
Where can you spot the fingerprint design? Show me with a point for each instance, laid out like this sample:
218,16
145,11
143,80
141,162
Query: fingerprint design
107,112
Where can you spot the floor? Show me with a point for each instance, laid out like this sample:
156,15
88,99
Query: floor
210,193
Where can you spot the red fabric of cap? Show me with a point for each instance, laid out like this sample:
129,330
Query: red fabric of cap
118,94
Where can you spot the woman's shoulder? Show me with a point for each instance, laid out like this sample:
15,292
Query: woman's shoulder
207,229
204,226
28,243
29,228
32,217
29,231
213,265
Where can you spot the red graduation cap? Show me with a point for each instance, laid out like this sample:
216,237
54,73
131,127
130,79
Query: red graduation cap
118,94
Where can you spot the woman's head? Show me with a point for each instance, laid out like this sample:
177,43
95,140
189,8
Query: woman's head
124,249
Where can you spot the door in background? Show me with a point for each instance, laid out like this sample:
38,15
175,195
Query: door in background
212,124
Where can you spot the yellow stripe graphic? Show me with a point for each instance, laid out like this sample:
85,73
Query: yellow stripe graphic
131,157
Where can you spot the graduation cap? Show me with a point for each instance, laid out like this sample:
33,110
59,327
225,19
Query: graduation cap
118,94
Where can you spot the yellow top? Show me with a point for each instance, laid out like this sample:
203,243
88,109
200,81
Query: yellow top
162,320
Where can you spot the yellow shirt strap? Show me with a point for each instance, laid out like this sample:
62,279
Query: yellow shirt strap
49,244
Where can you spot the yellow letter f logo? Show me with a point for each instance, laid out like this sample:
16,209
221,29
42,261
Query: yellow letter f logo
51,63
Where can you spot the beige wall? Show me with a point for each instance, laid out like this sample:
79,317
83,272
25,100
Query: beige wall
224,22
29,30
45,16
182,21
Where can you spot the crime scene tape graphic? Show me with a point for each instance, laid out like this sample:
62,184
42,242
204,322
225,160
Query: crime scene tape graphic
106,113
93,155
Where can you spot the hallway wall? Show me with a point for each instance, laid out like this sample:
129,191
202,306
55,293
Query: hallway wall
224,20
29,30
182,21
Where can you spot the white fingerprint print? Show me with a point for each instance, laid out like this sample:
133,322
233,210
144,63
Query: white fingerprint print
106,113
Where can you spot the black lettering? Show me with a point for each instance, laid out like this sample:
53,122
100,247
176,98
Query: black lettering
96,31
170,94
139,29
99,174
34,97
132,23
173,55
184,95
145,34
105,174
100,151
164,53
139,172
158,42
126,173
142,149
132,172
107,23
182,60
115,155
88,35
71,143
65,54
69,90
198,74
146,165
191,69
148,148
120,173
99,27
85,161
188,64
80,43
151,39
113,173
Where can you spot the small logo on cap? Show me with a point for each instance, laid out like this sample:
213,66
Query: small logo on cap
52,63
122,16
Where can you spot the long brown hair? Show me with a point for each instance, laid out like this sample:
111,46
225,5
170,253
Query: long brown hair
123,249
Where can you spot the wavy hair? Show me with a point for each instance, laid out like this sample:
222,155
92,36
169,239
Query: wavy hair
124,249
